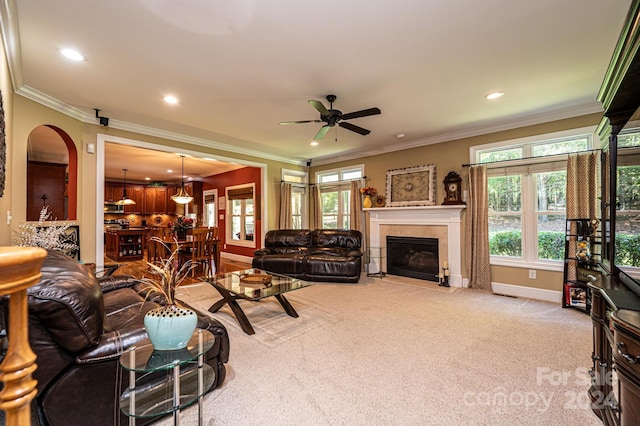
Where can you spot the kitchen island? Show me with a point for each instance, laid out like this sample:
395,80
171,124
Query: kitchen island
124,244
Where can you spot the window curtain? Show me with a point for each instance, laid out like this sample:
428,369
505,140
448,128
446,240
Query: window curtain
582,186
285,206
356,206
316,208
581,193
477,224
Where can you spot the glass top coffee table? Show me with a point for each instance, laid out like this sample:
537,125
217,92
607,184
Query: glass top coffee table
251,284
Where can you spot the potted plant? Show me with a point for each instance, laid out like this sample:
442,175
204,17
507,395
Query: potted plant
181,226
170,326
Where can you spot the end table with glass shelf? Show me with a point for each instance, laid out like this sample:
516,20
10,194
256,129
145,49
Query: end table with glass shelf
167,381
376,257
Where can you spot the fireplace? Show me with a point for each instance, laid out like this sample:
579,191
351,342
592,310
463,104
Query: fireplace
413,257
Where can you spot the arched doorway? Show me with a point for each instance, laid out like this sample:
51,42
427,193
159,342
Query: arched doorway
52,174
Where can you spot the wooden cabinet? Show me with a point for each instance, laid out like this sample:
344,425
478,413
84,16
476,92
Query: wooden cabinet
615,310
195,190
155,200
171,205
46,187
113,191
136,193
123,245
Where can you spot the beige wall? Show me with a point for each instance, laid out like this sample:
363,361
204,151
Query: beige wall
28,115
5,201
449,156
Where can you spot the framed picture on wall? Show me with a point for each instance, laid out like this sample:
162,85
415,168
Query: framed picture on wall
72,236
411,186
221,203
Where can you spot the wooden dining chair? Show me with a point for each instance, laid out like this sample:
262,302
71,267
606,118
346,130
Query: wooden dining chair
199,250
155,250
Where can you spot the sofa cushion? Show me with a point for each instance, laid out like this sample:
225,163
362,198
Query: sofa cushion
347,238
288,238
69,301
331,265
287,264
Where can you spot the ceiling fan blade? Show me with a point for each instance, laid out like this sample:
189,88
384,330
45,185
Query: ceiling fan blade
354,128
320,107
284,123
363,113
323,131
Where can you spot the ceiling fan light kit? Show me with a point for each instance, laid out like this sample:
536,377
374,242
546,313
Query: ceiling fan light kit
333,116
182,196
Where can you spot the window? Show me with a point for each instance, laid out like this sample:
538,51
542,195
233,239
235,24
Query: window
527,200
240,209
299,203
335,196
210,207
627,210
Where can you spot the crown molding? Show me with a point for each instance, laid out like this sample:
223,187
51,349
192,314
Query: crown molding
55,104
9,29
584,109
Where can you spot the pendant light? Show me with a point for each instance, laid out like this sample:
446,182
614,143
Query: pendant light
125,201
182,197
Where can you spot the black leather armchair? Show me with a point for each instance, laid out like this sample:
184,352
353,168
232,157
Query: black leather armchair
78,328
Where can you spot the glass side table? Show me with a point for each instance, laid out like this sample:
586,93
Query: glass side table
376,257
167,381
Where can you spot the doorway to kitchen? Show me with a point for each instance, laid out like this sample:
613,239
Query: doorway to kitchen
102,140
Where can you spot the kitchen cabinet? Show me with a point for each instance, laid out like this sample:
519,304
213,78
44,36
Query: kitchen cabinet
124,244
195,190
155,200
136,193
113,191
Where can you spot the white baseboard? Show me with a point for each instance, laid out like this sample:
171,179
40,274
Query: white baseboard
529,292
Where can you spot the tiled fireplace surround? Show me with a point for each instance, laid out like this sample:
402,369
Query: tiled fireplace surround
441,222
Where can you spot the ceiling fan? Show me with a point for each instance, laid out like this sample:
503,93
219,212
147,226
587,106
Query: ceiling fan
333,116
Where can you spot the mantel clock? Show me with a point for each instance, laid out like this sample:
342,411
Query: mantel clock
452,189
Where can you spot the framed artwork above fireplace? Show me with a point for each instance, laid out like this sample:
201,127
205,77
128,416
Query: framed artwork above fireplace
411,186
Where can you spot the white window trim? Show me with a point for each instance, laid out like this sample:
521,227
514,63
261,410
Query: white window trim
228,222
213,192
529,217
305,186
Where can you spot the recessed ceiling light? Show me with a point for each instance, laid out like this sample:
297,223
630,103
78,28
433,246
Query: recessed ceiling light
72,54
400,135
170,99
169,171
494,95
314,143
147,178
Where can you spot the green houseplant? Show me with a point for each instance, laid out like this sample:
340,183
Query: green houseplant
170,326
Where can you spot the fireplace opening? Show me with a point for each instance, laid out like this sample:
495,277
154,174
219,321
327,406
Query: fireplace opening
413,257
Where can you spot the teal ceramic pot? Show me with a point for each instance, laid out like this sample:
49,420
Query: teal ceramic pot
170,327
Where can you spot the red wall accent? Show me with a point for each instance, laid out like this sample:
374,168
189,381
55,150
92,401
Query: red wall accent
72,185
238,177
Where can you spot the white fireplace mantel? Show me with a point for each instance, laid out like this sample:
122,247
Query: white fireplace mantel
449,216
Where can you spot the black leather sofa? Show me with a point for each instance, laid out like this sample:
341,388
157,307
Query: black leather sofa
331,255
79,326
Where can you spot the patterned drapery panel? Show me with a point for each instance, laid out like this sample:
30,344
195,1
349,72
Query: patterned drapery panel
582,201
285,206
477,223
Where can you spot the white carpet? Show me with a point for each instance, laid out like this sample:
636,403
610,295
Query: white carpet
388,353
